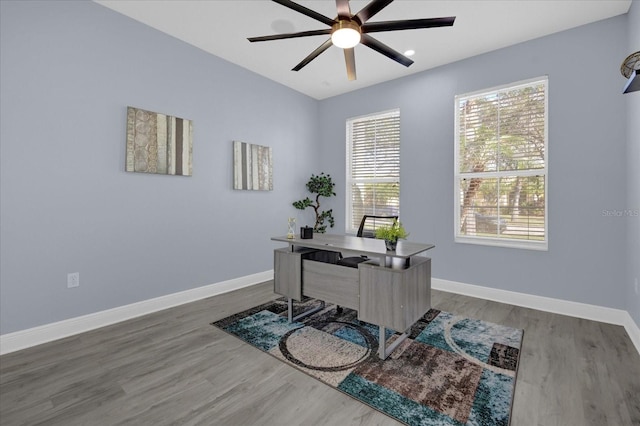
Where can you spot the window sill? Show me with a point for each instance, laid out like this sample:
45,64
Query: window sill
503,242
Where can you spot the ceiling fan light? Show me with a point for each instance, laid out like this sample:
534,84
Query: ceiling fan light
346,34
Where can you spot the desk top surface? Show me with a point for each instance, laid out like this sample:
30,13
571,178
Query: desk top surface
369,246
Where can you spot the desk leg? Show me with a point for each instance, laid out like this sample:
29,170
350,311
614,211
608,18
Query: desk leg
382,343
383,351
305,313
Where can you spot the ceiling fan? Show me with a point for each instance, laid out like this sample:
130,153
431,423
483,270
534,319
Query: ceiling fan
348,30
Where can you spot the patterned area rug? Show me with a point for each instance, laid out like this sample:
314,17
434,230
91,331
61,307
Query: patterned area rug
450,371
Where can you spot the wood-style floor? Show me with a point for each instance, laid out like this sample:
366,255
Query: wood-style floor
173,368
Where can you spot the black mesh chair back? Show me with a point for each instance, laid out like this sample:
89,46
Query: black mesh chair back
367,229
370,223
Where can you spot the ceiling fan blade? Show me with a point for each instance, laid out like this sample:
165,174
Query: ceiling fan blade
305,11
374,44
290,35
344,11
371,9
324,46
350,59
409,24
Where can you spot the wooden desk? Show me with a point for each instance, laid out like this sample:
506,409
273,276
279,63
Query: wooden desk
392,290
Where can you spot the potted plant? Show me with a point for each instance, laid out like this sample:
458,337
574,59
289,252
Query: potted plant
323,186
391,234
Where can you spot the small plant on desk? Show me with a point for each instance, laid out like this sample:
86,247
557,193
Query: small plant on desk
391,234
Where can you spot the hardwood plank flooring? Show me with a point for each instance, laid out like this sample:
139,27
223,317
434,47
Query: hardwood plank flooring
173,368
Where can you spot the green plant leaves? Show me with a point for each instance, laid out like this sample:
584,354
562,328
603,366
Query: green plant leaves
323,186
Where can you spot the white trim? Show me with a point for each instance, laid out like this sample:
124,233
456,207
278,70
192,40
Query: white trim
503,87
377,115
633,330
503,242
547,304
395,112
22,339
518,243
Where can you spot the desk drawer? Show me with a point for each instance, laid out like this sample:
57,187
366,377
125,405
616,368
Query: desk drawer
331,283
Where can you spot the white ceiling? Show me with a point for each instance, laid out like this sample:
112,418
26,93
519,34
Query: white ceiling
221,27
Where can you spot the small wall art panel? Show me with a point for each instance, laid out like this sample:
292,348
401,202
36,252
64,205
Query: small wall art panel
252,167
158,143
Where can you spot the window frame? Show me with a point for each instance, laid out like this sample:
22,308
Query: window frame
458,176
349,165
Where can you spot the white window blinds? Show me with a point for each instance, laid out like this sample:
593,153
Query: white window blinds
501,166
373,167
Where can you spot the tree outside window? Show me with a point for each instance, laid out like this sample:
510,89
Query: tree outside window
373,167
501,166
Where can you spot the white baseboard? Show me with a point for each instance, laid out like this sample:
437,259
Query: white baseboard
633,330
547,304
46,333
22,339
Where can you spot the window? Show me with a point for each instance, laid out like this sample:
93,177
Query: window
501,166
373,167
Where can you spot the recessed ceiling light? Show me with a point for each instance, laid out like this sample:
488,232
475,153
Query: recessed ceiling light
410,52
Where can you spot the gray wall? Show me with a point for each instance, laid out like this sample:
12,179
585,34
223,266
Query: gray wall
587,148
633,173
69,69
68,72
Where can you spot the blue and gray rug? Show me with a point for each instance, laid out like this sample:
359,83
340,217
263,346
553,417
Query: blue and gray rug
450,371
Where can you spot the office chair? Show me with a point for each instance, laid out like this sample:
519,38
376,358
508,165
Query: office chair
367,229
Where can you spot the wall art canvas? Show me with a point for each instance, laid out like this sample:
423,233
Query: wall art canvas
252,167
158,143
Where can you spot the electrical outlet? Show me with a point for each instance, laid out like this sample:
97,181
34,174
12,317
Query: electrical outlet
73,279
